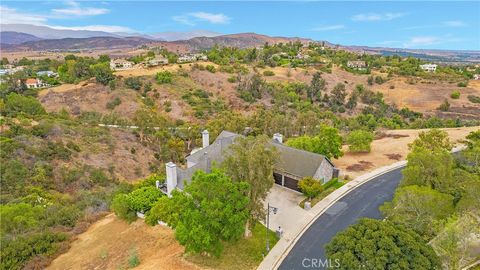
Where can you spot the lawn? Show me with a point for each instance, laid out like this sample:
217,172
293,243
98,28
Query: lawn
242,254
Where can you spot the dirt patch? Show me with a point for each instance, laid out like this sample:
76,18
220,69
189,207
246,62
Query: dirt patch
362,165
394,156
89,97
107,244
389,145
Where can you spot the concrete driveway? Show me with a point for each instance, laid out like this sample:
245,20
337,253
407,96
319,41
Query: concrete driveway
289,215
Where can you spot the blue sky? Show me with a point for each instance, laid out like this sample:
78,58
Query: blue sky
424,25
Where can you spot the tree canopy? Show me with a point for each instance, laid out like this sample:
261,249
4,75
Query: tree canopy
328,142
211,209
374,244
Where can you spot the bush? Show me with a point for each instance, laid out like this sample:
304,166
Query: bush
114,103
232,79
379,80
211,68
359,141
445,106
120,206
473,98
455,95
142,199
462,84
164,77
268,73
133,260
310,187
16,103
133,83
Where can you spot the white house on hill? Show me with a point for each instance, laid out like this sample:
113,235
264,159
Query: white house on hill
429,67
120,64
292,165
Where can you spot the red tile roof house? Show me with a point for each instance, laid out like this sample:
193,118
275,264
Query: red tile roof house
34,83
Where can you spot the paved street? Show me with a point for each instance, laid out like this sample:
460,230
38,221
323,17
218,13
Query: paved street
361,202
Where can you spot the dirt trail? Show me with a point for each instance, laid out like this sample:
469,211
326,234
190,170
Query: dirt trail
108,243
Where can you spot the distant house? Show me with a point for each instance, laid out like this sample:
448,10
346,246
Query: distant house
429,67
357,64
120,64
35,83
200,57
187,58
47,73
476,76
302,56
292,165
157,61
10,69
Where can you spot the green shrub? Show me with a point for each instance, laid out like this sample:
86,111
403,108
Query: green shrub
455,95
142,199
114,103
232,79
164,77
462,84
134,83
379,80
15,104
15,252
120,206
211,68
445,106
310,187
133,260
359,141
268,73
473,98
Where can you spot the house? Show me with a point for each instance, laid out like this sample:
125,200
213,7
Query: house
292,165
157,61
357,64
429,67
187,58
47,73
35,83
120,64
200,57
476,76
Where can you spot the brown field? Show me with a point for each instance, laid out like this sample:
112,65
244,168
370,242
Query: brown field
108,243
388,150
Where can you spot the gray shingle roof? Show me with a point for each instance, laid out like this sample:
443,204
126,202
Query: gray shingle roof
291,161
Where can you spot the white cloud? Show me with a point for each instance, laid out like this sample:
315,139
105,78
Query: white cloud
454,23
75,9
421,41
218,18
329,27
192,18
183,20
370,17
11,16
103,28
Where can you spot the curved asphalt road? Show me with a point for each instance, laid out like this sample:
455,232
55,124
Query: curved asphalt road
359,203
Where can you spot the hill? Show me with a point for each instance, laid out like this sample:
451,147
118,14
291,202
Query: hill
10,37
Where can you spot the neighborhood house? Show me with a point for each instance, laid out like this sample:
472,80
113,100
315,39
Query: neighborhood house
292,165
119,64
35,83
47,73
357,64
187,58
159,60
429,67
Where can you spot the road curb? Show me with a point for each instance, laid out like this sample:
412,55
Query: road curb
278,253
274,263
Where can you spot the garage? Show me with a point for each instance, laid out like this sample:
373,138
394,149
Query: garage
278,178
291,183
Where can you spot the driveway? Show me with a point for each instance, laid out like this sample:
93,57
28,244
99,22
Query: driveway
359,203
289,215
